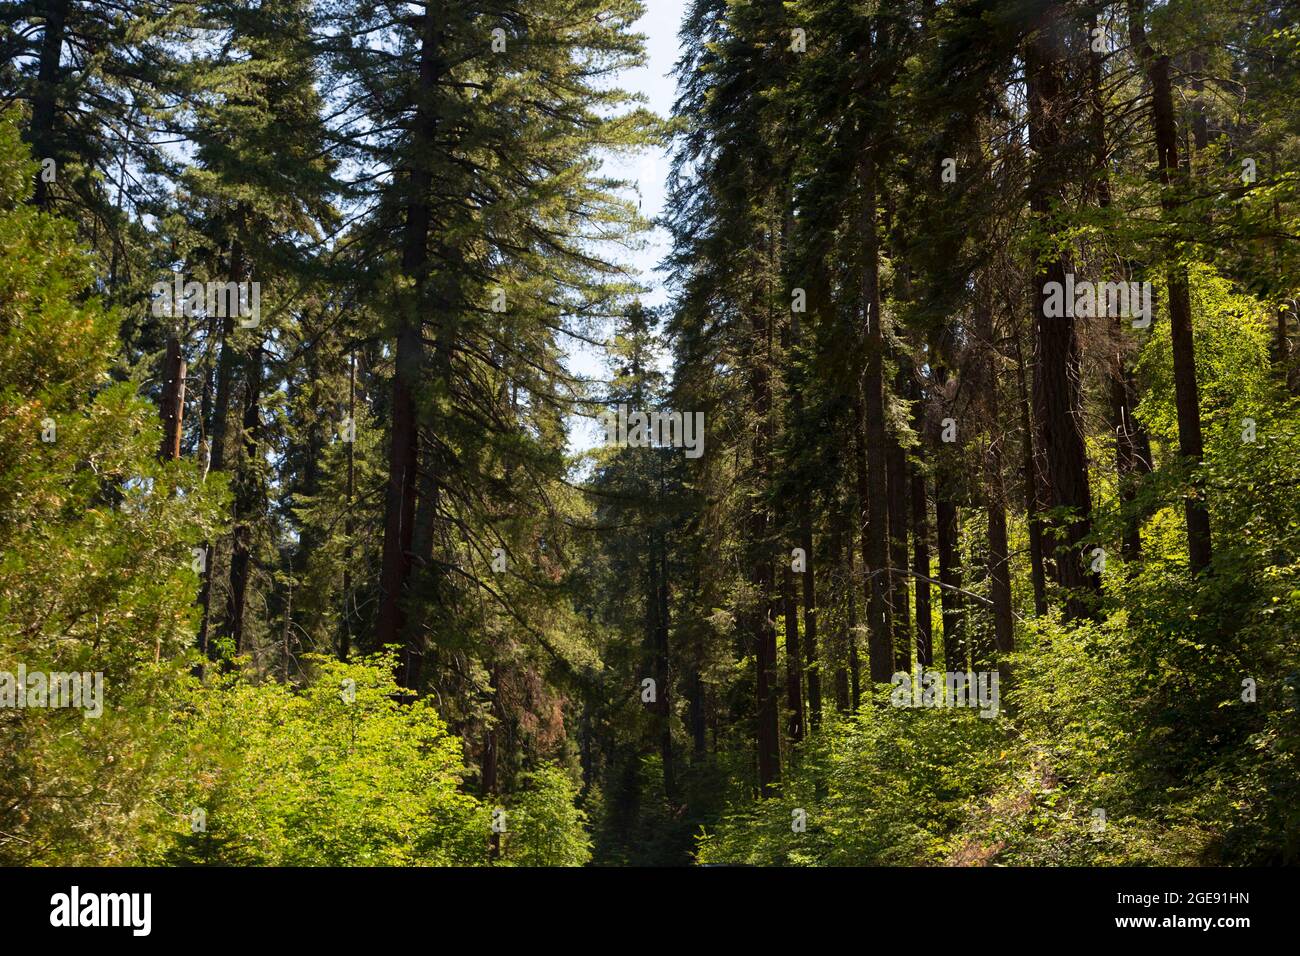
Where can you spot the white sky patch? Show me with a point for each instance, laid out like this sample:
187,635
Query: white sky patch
648,171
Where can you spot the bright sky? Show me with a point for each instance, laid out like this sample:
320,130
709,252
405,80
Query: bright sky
649,171
660,24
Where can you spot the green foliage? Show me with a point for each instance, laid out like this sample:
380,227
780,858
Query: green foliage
1232,343
337,773
887,786
95,539
96,577
422,196
1122,743
544,828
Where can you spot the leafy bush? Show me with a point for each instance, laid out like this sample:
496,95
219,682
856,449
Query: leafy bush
337,773
544,828
887,786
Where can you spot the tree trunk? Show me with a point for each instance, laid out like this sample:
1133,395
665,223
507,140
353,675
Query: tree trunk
845,653
810,617
249,503
45,96
403,457
1186,398
488,774
1033,489
1281,346
899,526
217,430
762,626
798,718
763,632
172,411
1132,447
663,675
998,556
793,662
994,490
951,600
873,490
920,540
345,632
855,666
1057,399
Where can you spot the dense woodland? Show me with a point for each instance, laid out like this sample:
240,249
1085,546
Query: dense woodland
358,598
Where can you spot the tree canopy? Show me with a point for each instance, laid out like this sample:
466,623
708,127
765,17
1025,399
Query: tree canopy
945,502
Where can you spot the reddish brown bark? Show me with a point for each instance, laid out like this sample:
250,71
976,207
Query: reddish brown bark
1186,397
172,411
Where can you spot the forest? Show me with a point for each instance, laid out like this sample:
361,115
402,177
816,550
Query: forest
934,500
